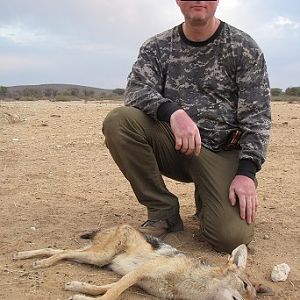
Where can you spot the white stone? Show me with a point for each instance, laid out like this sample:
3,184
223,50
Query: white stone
280,272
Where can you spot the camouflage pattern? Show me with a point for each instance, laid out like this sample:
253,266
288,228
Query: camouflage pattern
221,83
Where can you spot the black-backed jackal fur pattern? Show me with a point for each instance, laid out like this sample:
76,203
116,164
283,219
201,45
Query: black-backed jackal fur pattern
156,267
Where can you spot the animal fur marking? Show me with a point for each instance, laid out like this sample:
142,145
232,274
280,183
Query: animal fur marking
156,267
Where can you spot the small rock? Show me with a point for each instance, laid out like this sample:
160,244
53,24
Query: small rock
280,272
266,237
24,274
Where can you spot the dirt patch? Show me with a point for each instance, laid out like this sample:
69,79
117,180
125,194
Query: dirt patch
57,180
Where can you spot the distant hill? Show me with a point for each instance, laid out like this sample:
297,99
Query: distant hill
61,88
58,92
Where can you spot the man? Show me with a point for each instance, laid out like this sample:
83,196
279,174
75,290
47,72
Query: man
197,110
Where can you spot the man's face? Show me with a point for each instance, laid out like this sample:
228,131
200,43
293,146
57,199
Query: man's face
198,12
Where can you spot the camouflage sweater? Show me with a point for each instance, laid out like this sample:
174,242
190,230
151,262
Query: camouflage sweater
221,83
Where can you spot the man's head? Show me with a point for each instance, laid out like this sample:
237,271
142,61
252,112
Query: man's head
198,12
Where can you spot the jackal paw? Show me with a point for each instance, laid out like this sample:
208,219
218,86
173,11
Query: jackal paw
74,286
74,297
21,255
38,264
80,297
17,256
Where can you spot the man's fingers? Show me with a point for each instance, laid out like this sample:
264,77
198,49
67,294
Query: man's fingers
249,210
232,197
254,207
197,144
185,145
242,203
190,145
178,143
256,203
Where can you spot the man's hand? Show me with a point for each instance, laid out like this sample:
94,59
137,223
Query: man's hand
243,190
186,132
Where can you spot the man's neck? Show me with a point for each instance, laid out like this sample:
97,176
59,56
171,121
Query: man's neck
200,32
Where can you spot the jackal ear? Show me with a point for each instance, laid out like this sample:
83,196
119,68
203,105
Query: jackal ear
239,256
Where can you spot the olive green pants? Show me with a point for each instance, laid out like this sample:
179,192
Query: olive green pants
144,149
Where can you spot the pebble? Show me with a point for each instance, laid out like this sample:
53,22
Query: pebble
280,272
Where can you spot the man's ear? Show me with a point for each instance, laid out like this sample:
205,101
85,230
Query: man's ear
239,256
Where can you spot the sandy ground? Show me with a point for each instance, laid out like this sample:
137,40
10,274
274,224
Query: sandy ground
57,180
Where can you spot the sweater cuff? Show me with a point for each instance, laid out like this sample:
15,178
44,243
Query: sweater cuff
165,111
247,168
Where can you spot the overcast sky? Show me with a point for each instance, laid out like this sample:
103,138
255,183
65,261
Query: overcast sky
95,42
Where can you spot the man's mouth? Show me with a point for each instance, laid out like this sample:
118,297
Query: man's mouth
198,6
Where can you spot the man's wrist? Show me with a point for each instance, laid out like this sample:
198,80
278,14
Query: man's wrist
247,168
165,111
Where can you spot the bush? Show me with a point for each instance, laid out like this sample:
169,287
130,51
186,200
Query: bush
293,91
28,98
119,92
65,98
276,92
3,91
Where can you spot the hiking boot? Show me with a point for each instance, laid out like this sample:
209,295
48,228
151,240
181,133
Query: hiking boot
160,228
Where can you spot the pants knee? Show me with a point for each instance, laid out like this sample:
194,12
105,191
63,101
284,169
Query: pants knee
117,127
226,237
113,120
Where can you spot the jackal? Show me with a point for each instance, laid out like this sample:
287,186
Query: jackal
156,267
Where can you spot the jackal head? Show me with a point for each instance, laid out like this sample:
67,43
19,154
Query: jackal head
235,283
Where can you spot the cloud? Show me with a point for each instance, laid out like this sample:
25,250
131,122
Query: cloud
17,34
286,22
12,62
283,27
97,41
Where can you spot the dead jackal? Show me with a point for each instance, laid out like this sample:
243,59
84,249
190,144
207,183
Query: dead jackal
156,267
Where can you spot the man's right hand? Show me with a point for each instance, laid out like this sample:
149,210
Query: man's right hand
186,132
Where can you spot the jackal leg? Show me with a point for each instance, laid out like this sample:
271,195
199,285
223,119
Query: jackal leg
113,291
105,246
36,253
86,288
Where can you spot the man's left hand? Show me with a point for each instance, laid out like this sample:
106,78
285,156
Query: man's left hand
243,190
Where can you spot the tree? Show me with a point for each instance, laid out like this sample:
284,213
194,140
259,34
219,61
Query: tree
88,93
48,93
119,91
3,91
276,92
75,92
293,91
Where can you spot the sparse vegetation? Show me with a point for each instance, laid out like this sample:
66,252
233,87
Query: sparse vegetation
276,92
3,91
67,92
293,91
290,94
58,92
119,91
